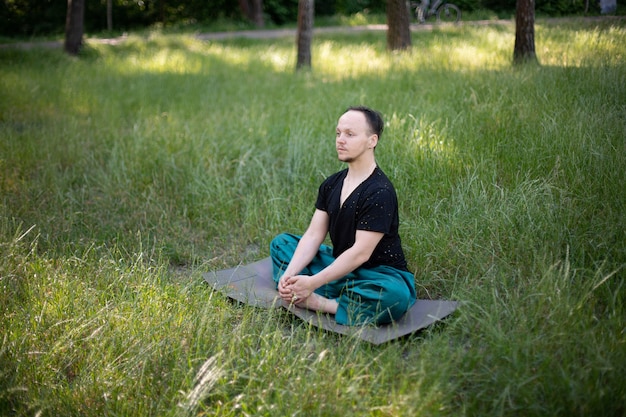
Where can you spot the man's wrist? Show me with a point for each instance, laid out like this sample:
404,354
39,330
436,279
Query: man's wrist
316,281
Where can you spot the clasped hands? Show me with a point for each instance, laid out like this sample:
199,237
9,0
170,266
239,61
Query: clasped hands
295,289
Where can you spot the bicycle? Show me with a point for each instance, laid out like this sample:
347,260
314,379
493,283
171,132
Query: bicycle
444,11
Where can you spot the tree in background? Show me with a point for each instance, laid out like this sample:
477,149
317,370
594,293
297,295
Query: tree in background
398,27
253,10
306,10
74,26
109,15
524,50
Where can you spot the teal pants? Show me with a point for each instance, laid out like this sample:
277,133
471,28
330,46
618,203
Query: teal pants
376,295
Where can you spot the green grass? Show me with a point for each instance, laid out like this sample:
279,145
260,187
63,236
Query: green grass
128,172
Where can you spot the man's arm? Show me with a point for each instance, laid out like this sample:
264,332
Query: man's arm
348,261
309,243
364,245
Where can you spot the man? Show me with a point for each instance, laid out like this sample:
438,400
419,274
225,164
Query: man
363,278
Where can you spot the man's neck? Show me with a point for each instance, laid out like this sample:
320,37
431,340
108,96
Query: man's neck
360,170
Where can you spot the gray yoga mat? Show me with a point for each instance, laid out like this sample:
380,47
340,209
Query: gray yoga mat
252,284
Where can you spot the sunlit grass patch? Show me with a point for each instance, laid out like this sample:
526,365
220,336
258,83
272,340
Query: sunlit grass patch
584,46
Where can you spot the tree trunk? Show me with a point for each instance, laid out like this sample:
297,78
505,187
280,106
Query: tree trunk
524,50
253,11
74,26
305,33
398,27
245,9
257,13
109,15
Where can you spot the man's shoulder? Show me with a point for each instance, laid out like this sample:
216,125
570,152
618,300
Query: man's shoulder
380,181
334,178
378,188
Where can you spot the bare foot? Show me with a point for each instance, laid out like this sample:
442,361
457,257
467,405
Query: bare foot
318,303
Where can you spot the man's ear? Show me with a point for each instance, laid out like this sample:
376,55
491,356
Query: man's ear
373,140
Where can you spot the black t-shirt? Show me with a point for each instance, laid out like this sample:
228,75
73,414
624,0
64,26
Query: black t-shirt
372,206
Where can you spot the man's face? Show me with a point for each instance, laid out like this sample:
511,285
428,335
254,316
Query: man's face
353,138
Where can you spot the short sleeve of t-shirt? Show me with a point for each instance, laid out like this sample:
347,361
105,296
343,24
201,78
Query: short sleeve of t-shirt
329,192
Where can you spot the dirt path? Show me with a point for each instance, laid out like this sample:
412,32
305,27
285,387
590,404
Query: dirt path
286,33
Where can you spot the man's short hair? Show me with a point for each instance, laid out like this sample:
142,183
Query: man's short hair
373,118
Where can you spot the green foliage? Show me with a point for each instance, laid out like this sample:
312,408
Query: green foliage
127,172
22,18
281,11
31,17
27,17
563,7
543,7
348,7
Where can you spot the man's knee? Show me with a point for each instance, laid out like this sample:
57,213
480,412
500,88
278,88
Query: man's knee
396,301
282,240
381,306
282,247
